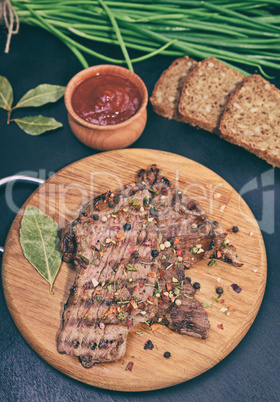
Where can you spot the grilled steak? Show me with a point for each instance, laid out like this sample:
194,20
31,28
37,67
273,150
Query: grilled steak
132,250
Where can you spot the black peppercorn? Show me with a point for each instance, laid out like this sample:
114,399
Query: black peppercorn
167,355
154,253
215,223
196,285
95,217
149,345
235,229
188,279
219,290
116,199
212,244
127,227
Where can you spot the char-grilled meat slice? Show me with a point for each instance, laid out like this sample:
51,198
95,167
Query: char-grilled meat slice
92,343
115,280
177,307
132,250
189,318
110,346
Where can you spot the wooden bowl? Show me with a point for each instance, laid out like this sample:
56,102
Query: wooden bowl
112,136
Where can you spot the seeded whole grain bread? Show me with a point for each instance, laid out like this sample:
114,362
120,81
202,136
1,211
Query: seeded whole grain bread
167,91
252,118
206,92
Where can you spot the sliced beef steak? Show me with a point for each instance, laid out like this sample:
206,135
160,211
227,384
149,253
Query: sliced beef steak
132,250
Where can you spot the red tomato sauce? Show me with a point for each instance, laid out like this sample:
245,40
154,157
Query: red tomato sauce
106,99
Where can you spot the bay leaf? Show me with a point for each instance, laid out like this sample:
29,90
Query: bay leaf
6,94
42,94
36,125
40,243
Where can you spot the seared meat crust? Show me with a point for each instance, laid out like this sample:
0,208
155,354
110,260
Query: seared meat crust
132,250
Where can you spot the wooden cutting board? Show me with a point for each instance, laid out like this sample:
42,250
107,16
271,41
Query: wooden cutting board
37,313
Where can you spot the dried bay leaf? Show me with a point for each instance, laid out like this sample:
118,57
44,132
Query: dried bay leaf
40,243
36,125
6,94
42,94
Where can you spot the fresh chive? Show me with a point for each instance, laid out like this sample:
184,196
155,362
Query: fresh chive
241,32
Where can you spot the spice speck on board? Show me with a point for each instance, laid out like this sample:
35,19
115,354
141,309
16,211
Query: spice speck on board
129,366
149,345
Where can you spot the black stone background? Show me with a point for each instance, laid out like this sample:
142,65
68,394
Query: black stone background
251,371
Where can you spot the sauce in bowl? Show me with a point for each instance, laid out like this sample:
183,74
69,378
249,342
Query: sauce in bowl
106,99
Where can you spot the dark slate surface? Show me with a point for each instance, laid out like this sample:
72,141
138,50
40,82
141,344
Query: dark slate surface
251,371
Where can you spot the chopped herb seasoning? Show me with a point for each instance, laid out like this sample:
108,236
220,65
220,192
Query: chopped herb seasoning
153,191
207,305
121,316
130,267
212,263
84,259
134,202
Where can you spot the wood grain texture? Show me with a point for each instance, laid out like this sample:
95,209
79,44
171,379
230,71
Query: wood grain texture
37,313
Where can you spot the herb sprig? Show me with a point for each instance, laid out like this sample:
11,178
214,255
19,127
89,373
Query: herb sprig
239,32
36,97
40,243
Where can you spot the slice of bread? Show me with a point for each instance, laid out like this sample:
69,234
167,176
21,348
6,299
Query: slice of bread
167,91
206,92
252,118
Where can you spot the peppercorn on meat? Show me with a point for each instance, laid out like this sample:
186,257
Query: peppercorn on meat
132,252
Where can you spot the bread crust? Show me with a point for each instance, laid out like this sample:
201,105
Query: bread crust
205,93
173,83
262,131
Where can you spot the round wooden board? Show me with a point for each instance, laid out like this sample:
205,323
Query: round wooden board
37,313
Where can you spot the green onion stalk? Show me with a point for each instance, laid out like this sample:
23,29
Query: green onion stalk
240,33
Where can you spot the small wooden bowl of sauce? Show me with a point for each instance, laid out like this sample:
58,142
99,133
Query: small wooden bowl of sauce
107,106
